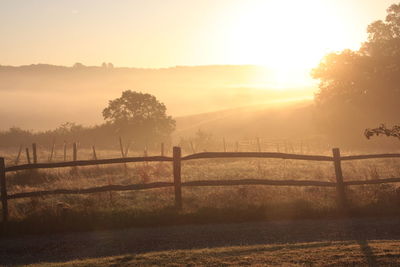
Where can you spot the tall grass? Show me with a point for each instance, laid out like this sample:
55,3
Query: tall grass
201,204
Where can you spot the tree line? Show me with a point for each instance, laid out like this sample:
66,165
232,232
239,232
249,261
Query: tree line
133,116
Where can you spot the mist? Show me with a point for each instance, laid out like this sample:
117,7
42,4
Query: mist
41,97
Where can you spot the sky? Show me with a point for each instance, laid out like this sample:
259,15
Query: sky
289,37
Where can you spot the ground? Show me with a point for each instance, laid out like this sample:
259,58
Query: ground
367,242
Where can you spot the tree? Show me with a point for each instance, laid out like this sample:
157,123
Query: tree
140,116
362,87
78,65
382,129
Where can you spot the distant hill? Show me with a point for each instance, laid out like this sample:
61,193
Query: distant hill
292,119
44,96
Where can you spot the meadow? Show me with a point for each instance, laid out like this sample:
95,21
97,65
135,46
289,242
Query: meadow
200,204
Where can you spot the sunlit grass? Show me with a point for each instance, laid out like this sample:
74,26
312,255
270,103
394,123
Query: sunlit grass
354,253
200,204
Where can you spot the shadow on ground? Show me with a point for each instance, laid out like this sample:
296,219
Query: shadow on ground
66,247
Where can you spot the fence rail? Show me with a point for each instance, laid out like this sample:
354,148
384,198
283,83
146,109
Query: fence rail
86,163
91,190
177,183
270,155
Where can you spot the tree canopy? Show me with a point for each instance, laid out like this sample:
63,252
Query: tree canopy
362,87
140,116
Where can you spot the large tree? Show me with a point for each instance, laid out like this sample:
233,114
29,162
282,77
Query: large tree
140,116
361,87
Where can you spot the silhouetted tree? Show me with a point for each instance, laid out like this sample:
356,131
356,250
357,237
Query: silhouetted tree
140,116
78,65
359,87
383,130
105,65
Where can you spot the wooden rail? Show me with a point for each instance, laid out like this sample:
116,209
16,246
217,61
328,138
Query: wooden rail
259,182
91,190
85,163
177,183
270,155
371,156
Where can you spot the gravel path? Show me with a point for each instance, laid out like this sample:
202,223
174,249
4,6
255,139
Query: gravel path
64,247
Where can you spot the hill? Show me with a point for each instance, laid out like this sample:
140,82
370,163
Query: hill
44,96
289,119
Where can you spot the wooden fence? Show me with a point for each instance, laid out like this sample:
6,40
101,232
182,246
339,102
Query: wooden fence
177,183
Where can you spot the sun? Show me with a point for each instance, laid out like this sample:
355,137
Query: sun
289,37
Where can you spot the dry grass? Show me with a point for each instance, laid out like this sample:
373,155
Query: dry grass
349,253
201,204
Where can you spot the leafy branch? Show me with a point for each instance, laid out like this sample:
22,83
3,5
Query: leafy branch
382,129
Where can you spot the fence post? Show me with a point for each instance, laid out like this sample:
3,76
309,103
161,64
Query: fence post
52,151
28,158
34,153
3,190
94,152
258,144
341,193
19,155
121,147
177,177
65,151
127,148
74,152
74,157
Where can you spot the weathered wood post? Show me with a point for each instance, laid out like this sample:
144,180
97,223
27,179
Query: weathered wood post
3,190
127,147
177,177
53,146
74,157
258,144
28,158
341,193
18,156
94,153
65,151
34,153
162,150
121,147
74,152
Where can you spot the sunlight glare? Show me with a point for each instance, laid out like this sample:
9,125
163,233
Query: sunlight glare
289,37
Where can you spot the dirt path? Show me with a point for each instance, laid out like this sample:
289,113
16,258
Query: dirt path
65,247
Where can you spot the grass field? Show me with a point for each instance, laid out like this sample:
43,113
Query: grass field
348,253
201,204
